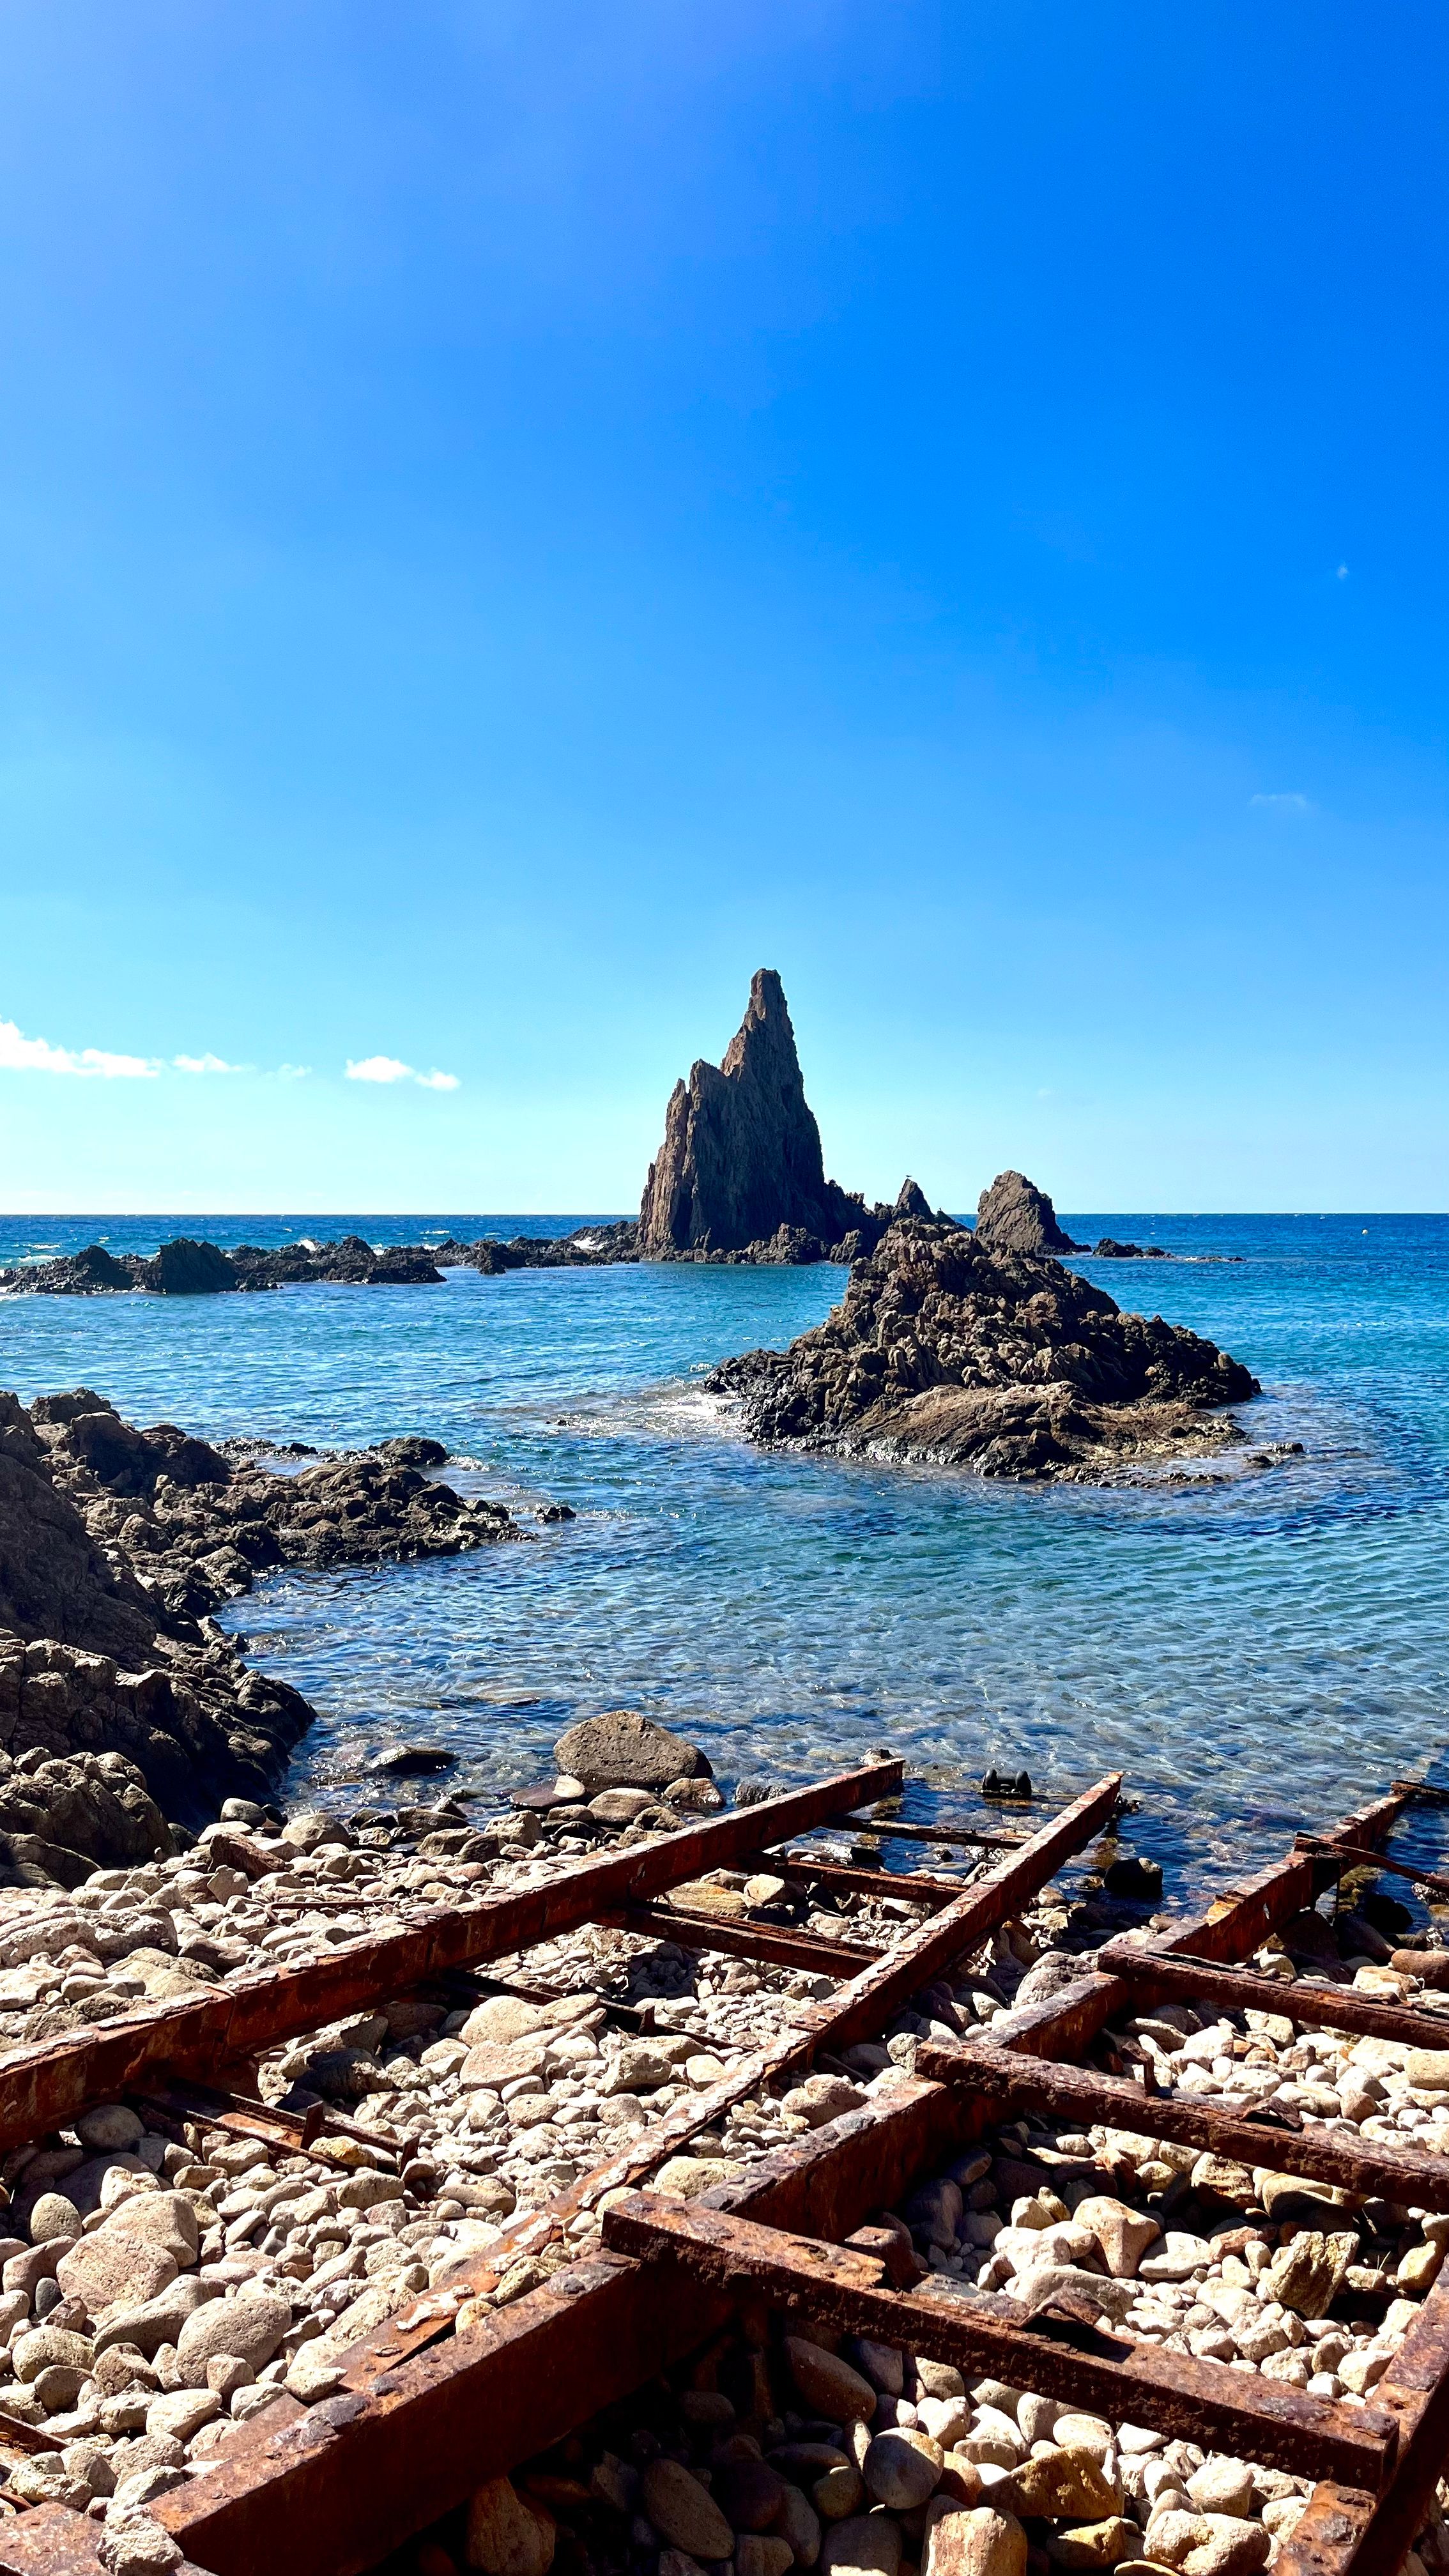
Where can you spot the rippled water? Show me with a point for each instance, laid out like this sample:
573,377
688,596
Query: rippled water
1256,1653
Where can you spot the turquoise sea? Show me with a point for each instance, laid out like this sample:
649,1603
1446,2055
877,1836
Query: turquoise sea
1257,1652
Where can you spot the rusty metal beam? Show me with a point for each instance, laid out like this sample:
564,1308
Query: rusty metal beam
1318,2007
1011,2083
776,1942
1356,1855
896,1830
838,1879
43,2088
971,1918
1127,2382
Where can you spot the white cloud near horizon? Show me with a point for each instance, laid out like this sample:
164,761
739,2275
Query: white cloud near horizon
390,1068
1290,804
20,1054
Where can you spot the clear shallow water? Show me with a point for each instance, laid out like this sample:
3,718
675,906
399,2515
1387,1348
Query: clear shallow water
1255,1653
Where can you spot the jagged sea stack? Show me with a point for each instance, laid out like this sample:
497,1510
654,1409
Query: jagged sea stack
741,1155
1015,1216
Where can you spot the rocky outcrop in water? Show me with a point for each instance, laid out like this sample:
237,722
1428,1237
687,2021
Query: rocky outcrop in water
116,1545
741,1165
184,1268
1015,1216
952,1352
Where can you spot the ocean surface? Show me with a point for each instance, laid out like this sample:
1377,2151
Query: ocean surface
1257,1650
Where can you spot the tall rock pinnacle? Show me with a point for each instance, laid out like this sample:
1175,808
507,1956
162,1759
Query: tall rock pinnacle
741,1153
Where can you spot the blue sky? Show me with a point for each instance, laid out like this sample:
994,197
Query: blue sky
513,516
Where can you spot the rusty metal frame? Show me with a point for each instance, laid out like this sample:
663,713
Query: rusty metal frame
1303,1999
1319,2154
427,2413
1109,2375
779,1943
228,2024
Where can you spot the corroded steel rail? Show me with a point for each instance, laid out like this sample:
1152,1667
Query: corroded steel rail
1129,2383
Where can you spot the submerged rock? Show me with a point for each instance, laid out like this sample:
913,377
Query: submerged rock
948,1351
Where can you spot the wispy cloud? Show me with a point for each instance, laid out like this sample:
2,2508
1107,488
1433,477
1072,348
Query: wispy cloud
209,1064
1342,573
1290,804
390,1068
294,1072
20,1054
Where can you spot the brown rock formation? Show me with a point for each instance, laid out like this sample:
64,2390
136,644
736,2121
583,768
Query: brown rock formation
1015,1216
951,1352
741,1154
115,1544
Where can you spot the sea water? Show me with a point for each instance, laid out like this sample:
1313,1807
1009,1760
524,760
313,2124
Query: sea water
1256,1649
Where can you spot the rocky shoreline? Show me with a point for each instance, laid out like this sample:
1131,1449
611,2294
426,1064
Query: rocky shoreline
127,1716
950,1352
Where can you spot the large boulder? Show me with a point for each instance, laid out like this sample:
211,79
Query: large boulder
186,1268
621,1750
1015,1216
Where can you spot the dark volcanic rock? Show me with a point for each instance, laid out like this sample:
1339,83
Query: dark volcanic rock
348,1263
115,1544
55,1579
741,1155
91,1273
1109,1249
949,1351
914,1202
187,1269
1015,1216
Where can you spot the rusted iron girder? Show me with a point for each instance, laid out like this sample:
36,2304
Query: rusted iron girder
779,1943
1079,2094
971,1918
1355,1852
1131,2383
42,2088
1317,2007
1232,1925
